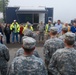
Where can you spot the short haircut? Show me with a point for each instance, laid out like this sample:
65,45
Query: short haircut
53,32
28,50
65,30
59,20
69,42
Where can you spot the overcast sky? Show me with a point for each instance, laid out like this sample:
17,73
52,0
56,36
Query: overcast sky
65,10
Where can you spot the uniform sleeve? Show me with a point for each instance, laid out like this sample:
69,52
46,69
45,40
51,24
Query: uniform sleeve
11,69
6,53
42,69
46,53
62,45
52,66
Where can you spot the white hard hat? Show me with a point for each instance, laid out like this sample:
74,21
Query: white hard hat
49,20
14,20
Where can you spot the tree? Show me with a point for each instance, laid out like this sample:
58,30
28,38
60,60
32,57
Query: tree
3,4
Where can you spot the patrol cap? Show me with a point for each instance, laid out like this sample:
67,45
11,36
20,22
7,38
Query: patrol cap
69,36
29,43
53,29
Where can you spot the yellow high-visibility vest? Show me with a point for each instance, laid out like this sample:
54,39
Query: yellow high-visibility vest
12,26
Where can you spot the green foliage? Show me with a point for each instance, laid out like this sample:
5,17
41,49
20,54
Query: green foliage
3,3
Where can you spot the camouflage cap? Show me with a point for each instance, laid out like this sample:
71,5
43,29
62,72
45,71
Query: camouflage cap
69,36
53,29
28,33
29,43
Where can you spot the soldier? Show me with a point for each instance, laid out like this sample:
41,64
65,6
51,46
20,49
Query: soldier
28,32
21,51
63,61
64,30
4,58
51,45
47,29
26,26
28,64
41,28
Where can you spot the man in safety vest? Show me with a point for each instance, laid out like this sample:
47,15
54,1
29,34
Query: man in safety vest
15,28
26,26
47,28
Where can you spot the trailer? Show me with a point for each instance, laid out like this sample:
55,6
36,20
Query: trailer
32,14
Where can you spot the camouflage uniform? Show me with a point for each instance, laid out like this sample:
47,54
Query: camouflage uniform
64,30
50,47
21,52
74,45
63,62
27,65
41,28
28,32
4,58
62,37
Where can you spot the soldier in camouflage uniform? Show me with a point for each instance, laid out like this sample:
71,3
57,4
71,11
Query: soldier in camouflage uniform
21,51
4,58
51,45
28,64
63,61
41,28
28,32
64,30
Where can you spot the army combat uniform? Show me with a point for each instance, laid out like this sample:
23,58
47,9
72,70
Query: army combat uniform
50,47
28,64
4,58
63,61
41,28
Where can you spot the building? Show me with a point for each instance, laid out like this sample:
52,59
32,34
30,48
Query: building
31,14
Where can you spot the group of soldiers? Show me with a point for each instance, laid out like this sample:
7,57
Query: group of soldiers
59,54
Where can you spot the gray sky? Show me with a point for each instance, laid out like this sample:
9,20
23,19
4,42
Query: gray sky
63,9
